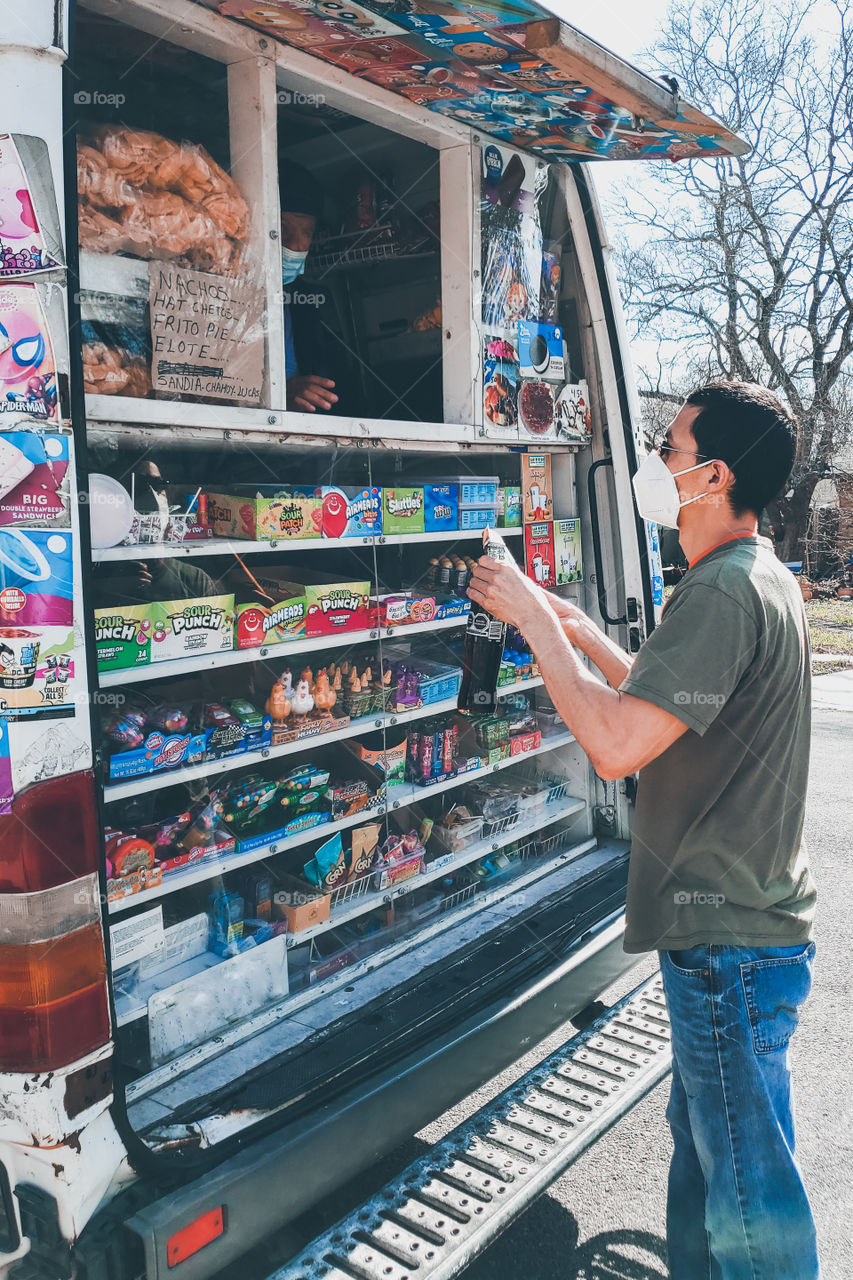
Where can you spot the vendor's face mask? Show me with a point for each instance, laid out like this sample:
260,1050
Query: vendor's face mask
656,492
292,264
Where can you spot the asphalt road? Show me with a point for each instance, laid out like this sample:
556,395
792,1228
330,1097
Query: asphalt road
604,1220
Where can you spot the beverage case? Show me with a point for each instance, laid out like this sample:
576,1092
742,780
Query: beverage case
536,491
539,553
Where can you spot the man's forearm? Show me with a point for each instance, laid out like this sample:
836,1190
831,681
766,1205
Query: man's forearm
612,661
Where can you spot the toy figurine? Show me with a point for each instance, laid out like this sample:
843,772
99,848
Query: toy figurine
278,704
324,696
302,701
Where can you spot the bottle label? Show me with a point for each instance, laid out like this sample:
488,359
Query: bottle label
482,625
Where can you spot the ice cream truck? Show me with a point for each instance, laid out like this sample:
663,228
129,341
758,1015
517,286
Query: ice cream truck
296,299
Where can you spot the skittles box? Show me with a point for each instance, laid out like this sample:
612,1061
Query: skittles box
441,507
351,512
138,634
402,511
267,514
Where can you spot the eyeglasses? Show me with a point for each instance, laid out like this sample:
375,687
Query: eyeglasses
665,449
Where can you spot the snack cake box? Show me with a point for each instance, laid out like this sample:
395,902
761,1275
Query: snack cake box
351,511
403,510
441,507
269,514
537,500
330,606
568,561
539,552
137,634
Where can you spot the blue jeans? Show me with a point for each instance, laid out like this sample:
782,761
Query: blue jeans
736,1207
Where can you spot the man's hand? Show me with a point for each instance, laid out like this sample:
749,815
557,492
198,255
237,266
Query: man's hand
310,393
573,620
506,592
145,577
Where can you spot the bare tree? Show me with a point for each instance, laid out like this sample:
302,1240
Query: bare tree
740,266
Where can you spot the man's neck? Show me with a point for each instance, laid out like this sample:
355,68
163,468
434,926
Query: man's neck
697,541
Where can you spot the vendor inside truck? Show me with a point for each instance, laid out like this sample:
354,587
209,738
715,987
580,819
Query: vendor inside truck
307,360
714,713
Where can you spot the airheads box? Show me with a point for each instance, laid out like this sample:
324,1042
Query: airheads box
568,561
267,513
330,606
441,507
539,553
402,511
540,351
537,501
273,621
33,478
351,512
134,635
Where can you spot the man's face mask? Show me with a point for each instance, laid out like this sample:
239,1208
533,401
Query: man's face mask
656,492
292,264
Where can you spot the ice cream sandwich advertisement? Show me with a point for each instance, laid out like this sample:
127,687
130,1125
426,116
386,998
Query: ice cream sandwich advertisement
34,479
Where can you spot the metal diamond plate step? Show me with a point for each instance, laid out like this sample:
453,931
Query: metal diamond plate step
432,1220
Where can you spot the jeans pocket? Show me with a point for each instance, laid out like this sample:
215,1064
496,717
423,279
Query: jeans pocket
774,988
693,962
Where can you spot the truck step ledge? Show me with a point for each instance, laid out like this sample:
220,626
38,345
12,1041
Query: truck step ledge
438,1215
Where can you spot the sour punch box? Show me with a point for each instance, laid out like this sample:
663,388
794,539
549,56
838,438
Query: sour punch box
138,634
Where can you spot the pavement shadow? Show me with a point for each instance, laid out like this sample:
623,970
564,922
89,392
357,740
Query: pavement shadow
544,1244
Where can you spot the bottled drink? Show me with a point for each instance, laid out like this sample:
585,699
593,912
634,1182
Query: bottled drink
484,645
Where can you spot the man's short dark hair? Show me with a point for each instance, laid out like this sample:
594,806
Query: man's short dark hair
747,427
299,191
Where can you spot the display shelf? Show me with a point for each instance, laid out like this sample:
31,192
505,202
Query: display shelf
212,867
213,768
275,653
409,793
245,546
520,686
130,1008
437,869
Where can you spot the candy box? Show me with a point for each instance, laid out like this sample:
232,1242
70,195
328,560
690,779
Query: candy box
398,609
330,607
351,511
134,635
268,513
274,621
567,550
509,507
536,493
299,903
524,742
441,507
539,552
402,511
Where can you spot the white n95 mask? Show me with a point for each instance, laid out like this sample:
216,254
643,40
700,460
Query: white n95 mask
656,492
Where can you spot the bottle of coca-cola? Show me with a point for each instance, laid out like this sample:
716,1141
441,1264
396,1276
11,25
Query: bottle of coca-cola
484,644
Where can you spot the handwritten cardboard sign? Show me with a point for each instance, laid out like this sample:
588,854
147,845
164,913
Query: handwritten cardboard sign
207,334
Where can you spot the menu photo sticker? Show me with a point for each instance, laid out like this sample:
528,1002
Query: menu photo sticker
29,222
27,363
34,477
500,385
574,420
37,642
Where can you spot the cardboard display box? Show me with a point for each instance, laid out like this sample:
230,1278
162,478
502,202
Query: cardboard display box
539,553
138,634
402,510
536,492
268,514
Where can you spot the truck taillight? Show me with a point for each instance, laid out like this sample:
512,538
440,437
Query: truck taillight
53,979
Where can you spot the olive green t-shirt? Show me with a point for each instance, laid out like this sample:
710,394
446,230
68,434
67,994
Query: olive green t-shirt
717,852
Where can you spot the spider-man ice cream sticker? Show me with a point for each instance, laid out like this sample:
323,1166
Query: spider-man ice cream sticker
22,245
27,366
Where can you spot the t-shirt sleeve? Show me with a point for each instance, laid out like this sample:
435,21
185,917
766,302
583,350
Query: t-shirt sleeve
693,661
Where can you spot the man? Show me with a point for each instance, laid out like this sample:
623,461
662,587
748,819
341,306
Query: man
306,357
714,712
